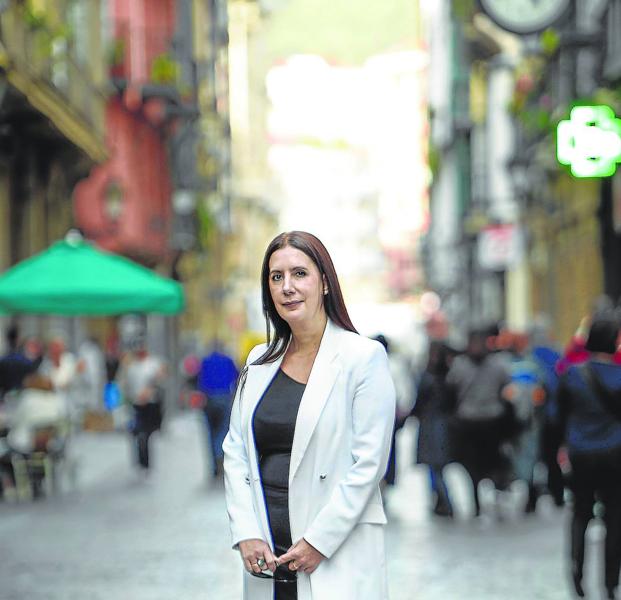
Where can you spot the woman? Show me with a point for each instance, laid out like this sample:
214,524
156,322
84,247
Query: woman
432,411
589,399
309,439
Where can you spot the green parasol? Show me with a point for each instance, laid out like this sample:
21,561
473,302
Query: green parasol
73,278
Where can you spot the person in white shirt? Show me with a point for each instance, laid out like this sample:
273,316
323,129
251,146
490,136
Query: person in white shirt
38,407
64,370
141,380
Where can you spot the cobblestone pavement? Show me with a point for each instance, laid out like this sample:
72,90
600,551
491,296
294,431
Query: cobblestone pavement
116,536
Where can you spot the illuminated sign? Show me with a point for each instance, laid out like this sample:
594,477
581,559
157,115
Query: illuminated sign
590,141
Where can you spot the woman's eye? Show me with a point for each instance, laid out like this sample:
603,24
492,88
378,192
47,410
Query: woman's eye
276,277
301,273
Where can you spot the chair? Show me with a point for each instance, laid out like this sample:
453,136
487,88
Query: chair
37,471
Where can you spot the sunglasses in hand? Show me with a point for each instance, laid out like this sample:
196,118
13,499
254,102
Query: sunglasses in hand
281,575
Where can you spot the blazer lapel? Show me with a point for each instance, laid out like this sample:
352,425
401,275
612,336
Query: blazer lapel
323,375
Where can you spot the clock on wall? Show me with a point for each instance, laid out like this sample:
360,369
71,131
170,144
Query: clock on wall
525,16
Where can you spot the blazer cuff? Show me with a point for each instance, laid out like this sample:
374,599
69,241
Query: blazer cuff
248,534
321,544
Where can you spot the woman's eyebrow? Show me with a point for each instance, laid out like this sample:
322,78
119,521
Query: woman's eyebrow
291,269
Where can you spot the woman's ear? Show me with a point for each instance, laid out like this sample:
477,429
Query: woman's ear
325,285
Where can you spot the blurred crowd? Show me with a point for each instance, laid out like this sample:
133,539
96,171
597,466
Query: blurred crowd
511,407
48,394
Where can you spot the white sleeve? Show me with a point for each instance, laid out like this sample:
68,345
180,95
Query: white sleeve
64,375
373,417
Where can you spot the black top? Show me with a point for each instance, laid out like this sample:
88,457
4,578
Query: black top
274,426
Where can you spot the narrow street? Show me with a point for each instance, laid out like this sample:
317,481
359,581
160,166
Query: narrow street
116,536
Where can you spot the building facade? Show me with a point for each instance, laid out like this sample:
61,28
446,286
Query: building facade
51,109
52,104
514,235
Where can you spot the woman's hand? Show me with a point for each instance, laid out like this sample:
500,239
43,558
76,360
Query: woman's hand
302,557
254,550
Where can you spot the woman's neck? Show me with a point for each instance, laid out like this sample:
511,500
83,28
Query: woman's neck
305,338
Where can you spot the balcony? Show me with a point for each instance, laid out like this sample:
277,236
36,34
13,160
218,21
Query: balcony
41,64
145,59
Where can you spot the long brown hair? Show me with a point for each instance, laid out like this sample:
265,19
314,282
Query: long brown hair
333,300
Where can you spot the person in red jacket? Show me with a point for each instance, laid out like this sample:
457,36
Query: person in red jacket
576,352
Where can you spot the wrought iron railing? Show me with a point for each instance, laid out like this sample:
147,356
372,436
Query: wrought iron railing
143,55
37,54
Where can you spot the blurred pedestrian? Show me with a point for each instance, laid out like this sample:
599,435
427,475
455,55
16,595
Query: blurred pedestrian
526,393
15,364
547,357
309,439
93,376
37,423
589,399
112,356
216,379
403,380
63,369
189,395
482,417
33,349
576,351
432,409
142,378
112,394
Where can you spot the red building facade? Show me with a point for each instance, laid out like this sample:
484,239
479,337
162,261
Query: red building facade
125,203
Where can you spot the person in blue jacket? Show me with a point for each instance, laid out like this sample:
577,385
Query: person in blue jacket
589,405
216,379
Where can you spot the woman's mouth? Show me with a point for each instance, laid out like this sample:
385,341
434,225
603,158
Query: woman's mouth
292,304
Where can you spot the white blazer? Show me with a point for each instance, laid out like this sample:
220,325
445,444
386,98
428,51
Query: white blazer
339,455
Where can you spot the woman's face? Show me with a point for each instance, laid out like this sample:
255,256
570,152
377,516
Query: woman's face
296,286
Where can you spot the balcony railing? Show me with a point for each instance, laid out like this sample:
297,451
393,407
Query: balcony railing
143,55
38,58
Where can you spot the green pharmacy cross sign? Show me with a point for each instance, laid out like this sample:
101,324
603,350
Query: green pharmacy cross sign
590,141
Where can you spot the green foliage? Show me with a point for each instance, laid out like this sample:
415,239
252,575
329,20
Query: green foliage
550,41
608,96
164,69
47,34
464,10
434,158
206,222
528,78
35,20
536,120
116,52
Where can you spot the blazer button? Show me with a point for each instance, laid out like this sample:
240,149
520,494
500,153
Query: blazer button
247,479
322,476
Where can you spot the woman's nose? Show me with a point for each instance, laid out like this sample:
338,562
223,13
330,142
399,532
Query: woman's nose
287,284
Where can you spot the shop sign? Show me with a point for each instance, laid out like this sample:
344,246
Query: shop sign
500,247
590,141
